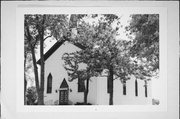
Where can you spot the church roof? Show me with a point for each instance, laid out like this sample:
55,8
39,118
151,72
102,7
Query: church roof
55,47
64,84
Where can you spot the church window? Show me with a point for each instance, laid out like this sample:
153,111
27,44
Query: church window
136,88
145,86
124,87
49,83
81,86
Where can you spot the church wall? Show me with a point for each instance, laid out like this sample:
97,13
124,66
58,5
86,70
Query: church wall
92,95
54,65
97,86
119,98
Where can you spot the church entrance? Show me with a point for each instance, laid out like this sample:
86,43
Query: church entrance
63,97
63,93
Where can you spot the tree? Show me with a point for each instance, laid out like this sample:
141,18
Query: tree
145,45
37,29
113,55
74,63
103,50
28,68
75,59
26,52
30,43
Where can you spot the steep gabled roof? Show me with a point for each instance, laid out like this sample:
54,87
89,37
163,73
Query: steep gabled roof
64,84
55,47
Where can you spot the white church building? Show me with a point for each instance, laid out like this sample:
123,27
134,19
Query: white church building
59,90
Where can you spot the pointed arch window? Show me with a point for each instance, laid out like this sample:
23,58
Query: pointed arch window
145,86
49,83
136,88
124,87
81,86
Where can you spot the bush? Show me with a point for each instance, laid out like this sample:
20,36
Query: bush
31,96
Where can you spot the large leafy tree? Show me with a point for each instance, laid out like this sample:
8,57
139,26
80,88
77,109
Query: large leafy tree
103,50
74,61
80,68
144,31
113,55
145,44
37,28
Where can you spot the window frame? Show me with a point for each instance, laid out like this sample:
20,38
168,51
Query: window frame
124,88
81,85
49,83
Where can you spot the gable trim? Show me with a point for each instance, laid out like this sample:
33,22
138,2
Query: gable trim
55,47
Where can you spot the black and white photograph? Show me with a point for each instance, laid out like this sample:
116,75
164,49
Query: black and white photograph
90,59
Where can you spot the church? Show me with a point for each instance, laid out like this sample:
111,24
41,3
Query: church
58,90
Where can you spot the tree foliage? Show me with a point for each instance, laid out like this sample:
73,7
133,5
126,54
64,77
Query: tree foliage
31,96
102,47
145,45
103,51
37,28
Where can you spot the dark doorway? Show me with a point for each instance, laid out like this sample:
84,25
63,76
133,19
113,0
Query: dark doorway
63,93
63,97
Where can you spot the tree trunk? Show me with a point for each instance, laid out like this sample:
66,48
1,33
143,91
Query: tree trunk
25,83
35,69
36,77
110,85
41,90
41,36
40,97
86,91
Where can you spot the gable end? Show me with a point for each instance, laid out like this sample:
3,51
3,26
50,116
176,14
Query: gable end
55,47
